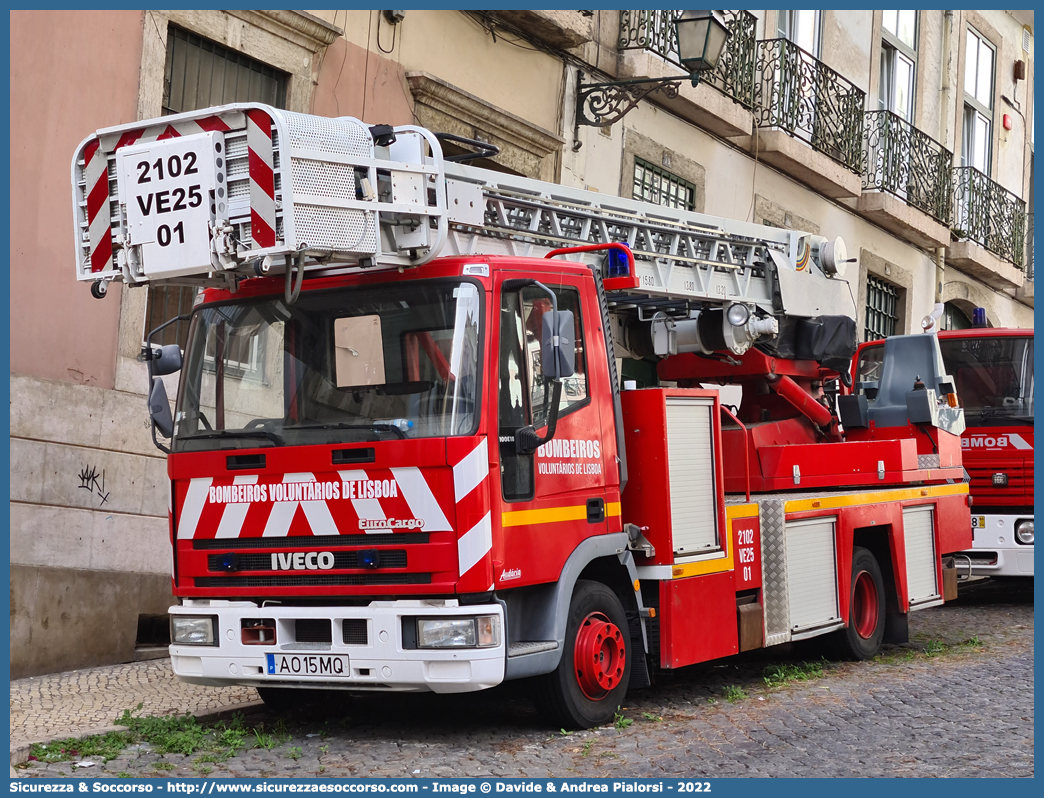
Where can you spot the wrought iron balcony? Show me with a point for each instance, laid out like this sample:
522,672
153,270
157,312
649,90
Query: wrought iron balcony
734,75
900,159
989,214
796,92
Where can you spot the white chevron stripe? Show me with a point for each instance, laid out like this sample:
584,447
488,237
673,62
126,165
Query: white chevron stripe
195,499
235,514
474,544
260,143
469,472
415,490
364,508
316,512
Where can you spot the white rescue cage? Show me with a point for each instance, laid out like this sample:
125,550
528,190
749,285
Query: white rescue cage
201,198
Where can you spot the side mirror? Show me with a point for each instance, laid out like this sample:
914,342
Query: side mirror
159,408
166,360
558,347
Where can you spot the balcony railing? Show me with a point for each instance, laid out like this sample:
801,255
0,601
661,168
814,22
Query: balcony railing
989,214
734,75
900,159
795,91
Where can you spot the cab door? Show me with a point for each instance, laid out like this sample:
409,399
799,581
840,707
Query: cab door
554,498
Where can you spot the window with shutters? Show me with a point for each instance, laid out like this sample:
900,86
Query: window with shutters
653,184
882,309
200,73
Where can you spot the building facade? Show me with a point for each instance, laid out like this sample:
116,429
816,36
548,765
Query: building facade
909,134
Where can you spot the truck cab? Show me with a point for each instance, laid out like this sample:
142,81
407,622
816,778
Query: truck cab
993,373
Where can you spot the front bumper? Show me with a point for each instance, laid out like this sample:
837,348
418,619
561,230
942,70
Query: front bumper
995,551
379,663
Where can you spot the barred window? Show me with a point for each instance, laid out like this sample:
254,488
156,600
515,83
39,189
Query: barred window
656,185
200,73
882,309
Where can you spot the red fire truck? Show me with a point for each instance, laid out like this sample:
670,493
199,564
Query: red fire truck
401,458
993,371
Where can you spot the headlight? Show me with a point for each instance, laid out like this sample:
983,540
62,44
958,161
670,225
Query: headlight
193,631
738,314
1024,532
480,632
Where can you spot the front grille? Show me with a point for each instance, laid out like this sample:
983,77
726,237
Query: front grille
394,558
353,632
334,580
312,630
310,542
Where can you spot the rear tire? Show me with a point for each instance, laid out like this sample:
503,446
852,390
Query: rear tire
862,638
591,679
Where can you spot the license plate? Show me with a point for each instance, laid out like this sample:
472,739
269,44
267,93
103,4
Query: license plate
307,665
978,522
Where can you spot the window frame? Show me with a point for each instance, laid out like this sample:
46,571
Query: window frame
672,179
877,285
159,296
973,108
787,27
892,49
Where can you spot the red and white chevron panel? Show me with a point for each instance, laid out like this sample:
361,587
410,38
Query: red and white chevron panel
262,178
474,520
352,501
346,502
96,174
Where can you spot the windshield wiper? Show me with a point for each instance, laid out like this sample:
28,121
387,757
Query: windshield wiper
375,427
235,433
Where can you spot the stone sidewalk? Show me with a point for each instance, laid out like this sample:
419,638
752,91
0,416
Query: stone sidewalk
79,702
957,700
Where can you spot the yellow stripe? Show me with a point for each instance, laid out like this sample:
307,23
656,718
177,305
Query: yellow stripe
741,510
857,499
717,566
546,516
551,515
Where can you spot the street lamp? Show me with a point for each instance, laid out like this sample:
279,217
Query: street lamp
701,38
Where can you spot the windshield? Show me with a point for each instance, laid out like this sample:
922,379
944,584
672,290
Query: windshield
994,378
394,361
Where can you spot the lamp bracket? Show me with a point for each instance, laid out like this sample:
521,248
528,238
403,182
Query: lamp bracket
603,104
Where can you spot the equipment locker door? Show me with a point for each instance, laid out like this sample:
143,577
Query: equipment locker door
554,498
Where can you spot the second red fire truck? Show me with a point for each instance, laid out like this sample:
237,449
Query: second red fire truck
993,372
401,458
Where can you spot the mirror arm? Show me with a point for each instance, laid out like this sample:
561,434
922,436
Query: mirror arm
526,439
148,340
156,442
148,365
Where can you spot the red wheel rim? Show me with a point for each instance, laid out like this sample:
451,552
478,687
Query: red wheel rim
598,657
864,605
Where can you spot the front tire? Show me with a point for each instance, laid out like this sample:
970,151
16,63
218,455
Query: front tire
591,679
861,640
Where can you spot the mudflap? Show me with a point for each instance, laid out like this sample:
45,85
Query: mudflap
897,628
640,676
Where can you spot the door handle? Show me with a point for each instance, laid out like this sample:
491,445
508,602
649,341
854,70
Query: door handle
595,511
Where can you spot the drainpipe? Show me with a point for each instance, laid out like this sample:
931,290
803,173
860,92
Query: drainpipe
940,273
945,111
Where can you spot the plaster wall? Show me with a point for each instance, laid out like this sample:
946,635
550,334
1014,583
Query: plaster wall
519,79
58,330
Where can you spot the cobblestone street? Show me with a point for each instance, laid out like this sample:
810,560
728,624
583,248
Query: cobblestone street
955,701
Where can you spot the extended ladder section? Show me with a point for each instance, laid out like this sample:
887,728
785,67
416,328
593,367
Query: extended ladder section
215,196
